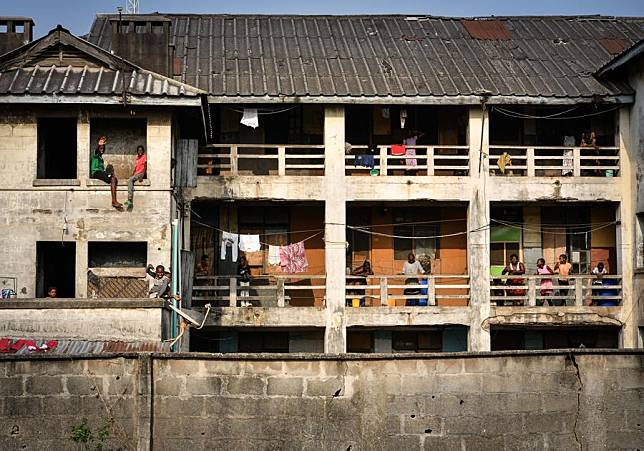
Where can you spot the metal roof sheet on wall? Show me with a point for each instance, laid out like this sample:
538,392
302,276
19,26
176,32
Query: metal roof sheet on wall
261,55
94,347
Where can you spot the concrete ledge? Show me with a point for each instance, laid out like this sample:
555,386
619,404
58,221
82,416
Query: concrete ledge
56,182
553,316
100,183
260,187
576,189
56,304
326,357
266,316
406,316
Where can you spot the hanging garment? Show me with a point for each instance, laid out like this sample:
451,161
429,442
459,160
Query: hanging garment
411,161
250,118
504,161
249,243
293,258
229,240
273,255
398,149
364,160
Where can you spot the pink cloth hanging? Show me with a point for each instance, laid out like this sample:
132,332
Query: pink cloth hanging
293,258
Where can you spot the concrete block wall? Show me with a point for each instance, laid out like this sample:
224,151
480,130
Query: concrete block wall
538,400
31,212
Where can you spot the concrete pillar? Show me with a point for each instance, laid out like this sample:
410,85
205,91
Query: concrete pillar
626,232
335,335
81,269
532,246
84,148
478,242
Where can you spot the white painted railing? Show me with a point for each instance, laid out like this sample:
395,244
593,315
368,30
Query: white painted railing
582,290
556,161
261,159
430,161
263,291
386,290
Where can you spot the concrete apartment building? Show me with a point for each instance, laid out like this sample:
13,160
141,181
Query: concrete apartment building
498,113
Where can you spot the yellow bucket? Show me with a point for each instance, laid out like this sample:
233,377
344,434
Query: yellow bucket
355,302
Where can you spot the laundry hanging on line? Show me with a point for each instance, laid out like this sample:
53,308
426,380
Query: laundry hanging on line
273,255
229,240
250,118
293,258
249,243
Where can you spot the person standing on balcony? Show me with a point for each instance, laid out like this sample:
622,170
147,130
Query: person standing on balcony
140,166
546,282
362,271
514,268
98,171
412,267
243,271
563,268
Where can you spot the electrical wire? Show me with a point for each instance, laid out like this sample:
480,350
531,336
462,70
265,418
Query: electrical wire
529,116
583,232
581,116
265,112
480,229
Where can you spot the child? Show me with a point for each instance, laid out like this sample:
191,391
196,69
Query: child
546,283
160,281
140,166
98,171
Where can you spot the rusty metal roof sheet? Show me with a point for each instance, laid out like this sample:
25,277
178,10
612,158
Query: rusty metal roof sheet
95,72
487,29
69,347
373,56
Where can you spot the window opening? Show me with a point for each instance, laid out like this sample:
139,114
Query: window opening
56,267
57,154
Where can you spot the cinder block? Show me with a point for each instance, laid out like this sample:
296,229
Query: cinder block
328,386
459,383
524,442
258,367
285,386
203,385
560,402
405,405
168,386
122,385
483,443
540,423
558,442
623,440
177,408
19,407
431,443
44,385
245,385
11,386
422,424
419,384
462,425
80,385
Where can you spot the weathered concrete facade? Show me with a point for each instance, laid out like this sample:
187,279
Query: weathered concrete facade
78,210
538,400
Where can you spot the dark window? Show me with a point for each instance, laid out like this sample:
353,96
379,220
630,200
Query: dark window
56,148
117,254
263,341
56,267
360,341
417,341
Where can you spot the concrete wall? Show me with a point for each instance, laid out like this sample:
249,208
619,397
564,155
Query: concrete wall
542,400
75,319
38,208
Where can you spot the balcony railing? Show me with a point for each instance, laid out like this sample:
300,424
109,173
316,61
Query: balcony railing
263,291
551,161
428,161
582,290
261,159
393,290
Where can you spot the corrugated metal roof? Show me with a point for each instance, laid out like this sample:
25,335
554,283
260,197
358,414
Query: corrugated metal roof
262,55
102,74
69,347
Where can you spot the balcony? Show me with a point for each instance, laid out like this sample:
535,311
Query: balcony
427,161
261,159
263,291
556,161
394,291
544,291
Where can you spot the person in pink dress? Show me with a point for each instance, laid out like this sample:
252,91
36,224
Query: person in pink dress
546,283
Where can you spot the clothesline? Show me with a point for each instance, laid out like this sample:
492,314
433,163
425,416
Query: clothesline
319,232
553,233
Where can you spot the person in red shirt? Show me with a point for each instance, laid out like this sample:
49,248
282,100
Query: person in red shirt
140,166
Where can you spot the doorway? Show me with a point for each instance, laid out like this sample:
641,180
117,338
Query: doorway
56,267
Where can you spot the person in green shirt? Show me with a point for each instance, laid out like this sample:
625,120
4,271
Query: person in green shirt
97,170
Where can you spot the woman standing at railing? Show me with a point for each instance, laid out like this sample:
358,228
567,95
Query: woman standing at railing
362,271
243,271
514,268
545,282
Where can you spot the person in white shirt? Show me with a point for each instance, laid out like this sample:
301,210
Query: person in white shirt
412,267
